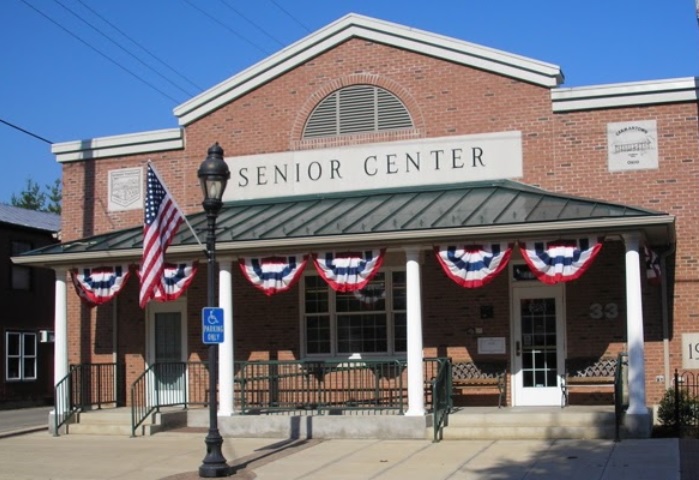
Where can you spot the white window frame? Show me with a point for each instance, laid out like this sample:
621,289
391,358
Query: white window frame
20,357
332,313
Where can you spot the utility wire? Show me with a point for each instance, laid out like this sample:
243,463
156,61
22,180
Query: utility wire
99,52
214,19
294,18
135,57
31,134
267,34
155,57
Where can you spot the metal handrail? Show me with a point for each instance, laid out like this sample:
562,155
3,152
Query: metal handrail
163,384
620,393
334,385
64,407
441,398
86,385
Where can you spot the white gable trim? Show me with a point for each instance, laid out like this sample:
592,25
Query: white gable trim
131,144
350,26
625,94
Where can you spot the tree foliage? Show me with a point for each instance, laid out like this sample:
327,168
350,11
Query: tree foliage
34,198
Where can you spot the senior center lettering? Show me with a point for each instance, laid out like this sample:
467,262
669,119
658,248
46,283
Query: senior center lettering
395,164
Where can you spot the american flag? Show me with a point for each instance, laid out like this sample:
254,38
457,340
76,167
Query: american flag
162,218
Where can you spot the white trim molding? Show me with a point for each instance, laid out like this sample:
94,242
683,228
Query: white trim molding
130,144
357,26
625,94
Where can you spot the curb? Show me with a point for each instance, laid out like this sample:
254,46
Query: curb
22,431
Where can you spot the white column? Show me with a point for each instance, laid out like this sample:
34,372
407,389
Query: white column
634,328
225,350
416,376
60,327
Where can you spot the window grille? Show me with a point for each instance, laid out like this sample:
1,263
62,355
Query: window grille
357,109
20,356
370,321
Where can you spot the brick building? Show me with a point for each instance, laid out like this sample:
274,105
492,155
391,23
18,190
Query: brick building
26,352
370,136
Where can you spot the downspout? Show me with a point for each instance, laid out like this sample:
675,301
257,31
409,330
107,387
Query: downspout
115,336
666,315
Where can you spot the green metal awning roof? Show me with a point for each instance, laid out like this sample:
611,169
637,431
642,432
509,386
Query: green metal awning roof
416,216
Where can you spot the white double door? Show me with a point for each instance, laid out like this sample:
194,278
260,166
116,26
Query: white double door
538,344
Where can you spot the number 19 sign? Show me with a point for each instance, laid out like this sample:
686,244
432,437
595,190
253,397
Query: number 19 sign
212,325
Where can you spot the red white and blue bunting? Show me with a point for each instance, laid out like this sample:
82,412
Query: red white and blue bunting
652,262
560,260
348,271
473,266
96,286
273,274
175,281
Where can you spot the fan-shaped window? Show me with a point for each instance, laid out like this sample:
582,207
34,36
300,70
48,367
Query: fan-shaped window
357,109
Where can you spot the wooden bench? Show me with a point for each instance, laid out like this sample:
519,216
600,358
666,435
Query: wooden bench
479,375
587,372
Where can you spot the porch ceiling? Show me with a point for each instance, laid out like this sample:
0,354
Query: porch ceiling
390,218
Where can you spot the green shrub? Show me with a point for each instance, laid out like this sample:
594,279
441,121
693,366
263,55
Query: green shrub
688,411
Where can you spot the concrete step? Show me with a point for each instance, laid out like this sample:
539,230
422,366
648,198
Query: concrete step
108,417
576,419
117,430
530,423
118,422
528,433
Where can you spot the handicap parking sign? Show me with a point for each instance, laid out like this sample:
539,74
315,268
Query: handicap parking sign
212,325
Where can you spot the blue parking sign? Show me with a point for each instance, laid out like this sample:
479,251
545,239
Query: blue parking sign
212,325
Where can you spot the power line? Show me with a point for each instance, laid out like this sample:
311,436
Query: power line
122,48
140,79
31,134
155,57
216,20
308,30
268,35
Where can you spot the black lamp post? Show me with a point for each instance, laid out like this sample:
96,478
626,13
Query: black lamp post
213,175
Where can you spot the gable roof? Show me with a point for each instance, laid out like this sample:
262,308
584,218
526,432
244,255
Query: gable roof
357,26
465,213
24,217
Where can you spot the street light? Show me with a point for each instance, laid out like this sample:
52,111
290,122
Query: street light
213,175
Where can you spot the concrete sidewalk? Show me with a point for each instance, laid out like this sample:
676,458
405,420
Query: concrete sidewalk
177,456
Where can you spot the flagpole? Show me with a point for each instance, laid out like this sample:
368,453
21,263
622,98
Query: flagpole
186,220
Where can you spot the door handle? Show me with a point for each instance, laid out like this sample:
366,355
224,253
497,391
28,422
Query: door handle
518,349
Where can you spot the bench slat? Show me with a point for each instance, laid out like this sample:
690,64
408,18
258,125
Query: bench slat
484,374
597,372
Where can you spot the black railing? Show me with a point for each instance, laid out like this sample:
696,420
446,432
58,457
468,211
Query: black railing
441,397
167,384
268,386
686,404
87,385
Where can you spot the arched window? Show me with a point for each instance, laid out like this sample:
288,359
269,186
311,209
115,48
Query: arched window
357,109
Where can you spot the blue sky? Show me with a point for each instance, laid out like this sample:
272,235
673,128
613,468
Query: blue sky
63,80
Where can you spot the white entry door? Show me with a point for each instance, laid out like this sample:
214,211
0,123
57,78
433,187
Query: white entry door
168,351
538,344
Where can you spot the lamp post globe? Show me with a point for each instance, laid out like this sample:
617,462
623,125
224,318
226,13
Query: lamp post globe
213,176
